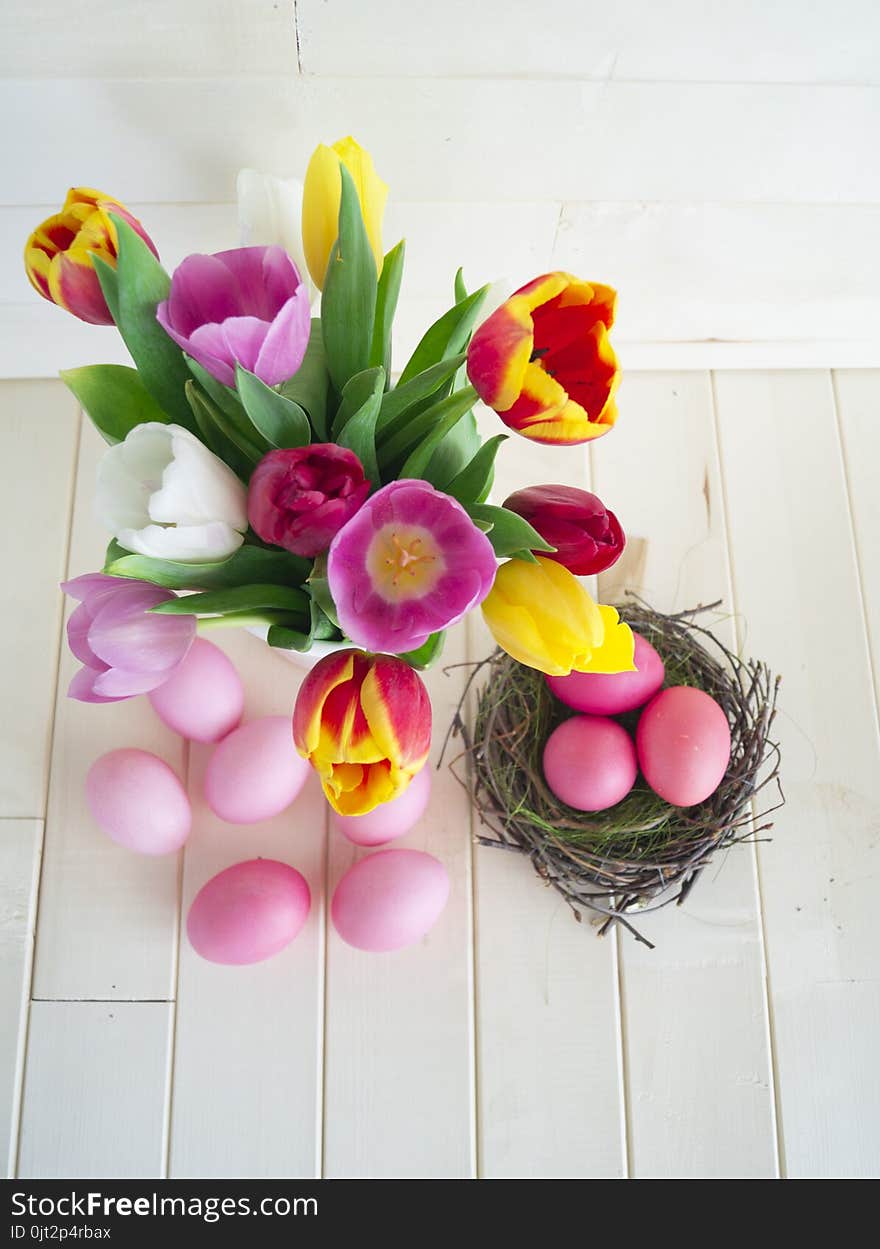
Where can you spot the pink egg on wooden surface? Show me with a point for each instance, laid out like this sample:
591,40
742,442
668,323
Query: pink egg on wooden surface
683,744
203,698
138,801
390,899
590,762
248,912
604,694
255,772
390,820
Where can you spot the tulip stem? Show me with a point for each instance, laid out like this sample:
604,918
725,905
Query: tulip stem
239,620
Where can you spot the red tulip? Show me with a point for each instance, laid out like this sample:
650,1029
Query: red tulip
300,497
588,538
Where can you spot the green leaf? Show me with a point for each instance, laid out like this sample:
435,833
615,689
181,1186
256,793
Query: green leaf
323,628
309,384
359,432
242,598
399,404
142,284
460,288
109,284
510,534
114,398
281,421
425,424
474,481
221,434
427,653
227,400
319,589
348,300
446,337
453,452
386,305
249,565
418,461
358,390
284,638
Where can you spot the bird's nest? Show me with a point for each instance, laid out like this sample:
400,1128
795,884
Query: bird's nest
642,853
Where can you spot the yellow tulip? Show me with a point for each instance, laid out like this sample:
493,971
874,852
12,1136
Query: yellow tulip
544,618
321,196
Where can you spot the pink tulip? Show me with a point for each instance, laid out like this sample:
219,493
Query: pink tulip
300,497
125,648
247,306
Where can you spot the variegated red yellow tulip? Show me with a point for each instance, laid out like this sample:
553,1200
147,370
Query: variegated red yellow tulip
544,362
364,724
322,193
544,618
58,255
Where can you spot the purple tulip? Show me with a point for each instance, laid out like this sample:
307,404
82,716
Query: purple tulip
248,306
409,563
124,647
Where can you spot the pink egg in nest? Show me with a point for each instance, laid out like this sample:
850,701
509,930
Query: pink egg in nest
255,772
683,743
389,899
139,801
590,762
391,819
604,694
203,698
248,912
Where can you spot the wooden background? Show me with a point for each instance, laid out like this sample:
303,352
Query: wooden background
719,165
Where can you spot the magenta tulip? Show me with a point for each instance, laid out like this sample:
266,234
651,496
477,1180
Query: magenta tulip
301,497
248,306
588,538
125,648
409,563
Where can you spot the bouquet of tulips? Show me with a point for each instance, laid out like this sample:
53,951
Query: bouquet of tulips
265,460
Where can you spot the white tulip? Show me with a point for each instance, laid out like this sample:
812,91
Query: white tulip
270,211
162,493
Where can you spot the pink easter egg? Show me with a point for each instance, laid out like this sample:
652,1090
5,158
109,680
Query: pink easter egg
683,744
590,762
138,801
248,912
255,772
203,698
390,899
390,820
604,694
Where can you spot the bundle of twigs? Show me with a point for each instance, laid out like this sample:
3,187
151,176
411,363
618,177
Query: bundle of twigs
642,853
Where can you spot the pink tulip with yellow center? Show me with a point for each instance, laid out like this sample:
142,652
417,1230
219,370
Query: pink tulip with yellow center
543,360
409,563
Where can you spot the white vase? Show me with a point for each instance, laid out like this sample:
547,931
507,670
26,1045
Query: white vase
301,659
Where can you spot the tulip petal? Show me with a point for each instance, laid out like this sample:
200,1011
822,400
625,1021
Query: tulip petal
316,688
117,683
197,487
183,544
270,211
203,291
82,688
284,346
398,712
124,634
74,285
616,653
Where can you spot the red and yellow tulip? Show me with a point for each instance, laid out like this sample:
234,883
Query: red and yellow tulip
544,362
58,254
364,724
544,618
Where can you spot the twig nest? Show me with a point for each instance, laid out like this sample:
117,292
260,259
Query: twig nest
642,852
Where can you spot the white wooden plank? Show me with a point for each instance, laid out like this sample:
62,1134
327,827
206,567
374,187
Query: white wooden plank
159,39
549,1058
184,140
797,595
858,402
94,1103
38,434
399,1077
682,40
732,272
262,1025
20,843
698,1064
109,916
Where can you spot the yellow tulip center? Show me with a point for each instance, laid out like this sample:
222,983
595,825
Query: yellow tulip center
404,562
